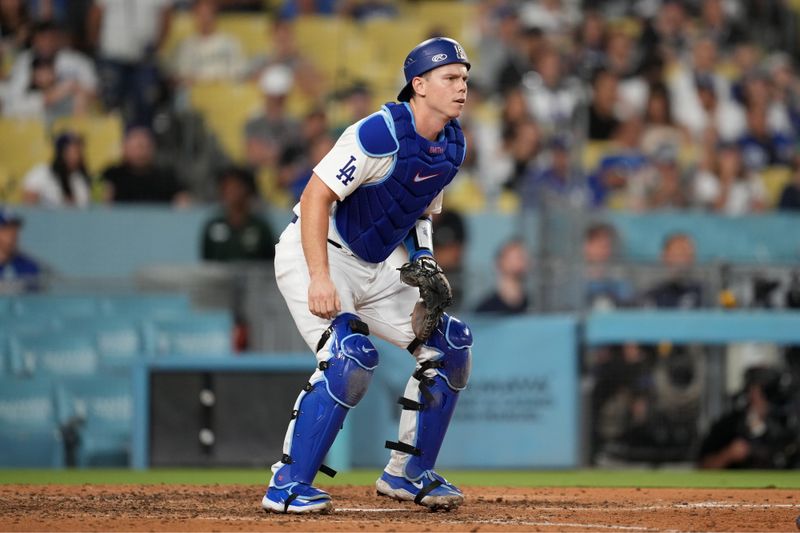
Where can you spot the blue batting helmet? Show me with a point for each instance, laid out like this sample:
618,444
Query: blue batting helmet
429,55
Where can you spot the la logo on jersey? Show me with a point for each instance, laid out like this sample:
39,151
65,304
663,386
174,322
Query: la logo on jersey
345,174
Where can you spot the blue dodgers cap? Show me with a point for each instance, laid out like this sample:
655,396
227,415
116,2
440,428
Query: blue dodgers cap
429,55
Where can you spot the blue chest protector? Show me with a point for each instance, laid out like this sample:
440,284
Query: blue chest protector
376,217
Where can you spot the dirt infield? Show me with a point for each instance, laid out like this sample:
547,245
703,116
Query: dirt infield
237,508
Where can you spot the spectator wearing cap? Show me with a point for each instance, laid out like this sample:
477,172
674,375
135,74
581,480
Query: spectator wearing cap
62,183
137,178
18,272
268,134
728,187
619,167
237,233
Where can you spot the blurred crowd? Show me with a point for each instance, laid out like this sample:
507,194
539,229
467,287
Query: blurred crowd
638,104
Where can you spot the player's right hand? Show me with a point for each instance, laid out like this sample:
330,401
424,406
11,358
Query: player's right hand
323,300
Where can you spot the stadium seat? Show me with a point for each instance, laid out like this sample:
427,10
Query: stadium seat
100,410
390,41
593,153
181,26
102,137
60,353
775,179
23,144
57,305
10,187
450,18
29,433
332,58
251,30
207,334
145,306
118,340
226,107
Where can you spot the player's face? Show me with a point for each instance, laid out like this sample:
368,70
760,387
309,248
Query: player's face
446,89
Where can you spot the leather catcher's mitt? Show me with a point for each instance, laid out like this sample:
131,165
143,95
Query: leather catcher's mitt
434,291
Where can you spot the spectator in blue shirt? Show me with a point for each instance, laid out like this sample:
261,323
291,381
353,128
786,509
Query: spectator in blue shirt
18,272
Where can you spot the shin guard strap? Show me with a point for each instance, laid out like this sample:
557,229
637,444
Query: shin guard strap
288,502
403,447
328,471
426,490
409,405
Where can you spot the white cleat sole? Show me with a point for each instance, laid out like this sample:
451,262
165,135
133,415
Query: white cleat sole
323,507
434,503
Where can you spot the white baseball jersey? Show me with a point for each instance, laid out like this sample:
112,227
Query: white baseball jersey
372,291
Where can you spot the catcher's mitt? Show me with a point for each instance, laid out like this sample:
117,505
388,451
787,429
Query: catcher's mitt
434,291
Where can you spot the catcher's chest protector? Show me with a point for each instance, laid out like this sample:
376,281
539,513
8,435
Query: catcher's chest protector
376,218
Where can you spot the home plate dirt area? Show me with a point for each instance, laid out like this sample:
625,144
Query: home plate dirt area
237,508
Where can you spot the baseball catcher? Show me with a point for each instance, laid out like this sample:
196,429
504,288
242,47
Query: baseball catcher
357,260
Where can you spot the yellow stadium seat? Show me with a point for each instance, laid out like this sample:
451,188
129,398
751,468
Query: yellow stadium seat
226,108
326,41
453,18
593,152
10,188
775,179
465,195
102,135
23,144
182,26
251,29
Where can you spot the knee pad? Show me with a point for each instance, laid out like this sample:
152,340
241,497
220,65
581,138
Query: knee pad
453,339
353,359
322,406
433,397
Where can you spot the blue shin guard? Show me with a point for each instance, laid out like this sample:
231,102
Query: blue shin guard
433,391
320,410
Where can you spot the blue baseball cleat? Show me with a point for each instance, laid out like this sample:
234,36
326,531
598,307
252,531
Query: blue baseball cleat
430,490
296,498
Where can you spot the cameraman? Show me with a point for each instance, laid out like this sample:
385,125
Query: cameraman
758,432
